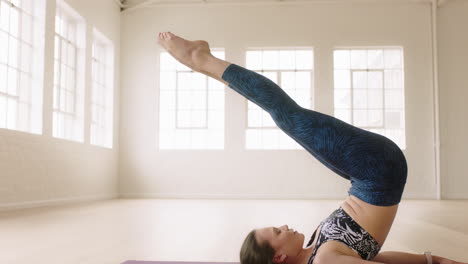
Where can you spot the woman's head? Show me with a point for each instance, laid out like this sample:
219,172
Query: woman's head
271,245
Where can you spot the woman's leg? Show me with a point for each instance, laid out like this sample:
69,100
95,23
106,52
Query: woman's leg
374,164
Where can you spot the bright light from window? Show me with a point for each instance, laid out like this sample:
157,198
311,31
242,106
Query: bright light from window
369,91
293,71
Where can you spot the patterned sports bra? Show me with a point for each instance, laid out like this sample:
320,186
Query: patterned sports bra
341,227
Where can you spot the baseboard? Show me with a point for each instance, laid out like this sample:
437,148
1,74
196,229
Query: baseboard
456,196
410,196
227,196
52,202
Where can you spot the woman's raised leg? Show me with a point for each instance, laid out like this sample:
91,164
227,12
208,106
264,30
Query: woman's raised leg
374,164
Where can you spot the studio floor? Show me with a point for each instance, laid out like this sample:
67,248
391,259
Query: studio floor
112,231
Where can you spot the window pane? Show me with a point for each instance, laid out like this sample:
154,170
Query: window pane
63,76
360,79
167,100
271,75
94,113
63,52
3,79
13,52
199,100
216,120
393,120
26,5
375,59
71,56
287,59
216,100
167,119
184,100
56,97
56,72
343,114
375,99
360,98
360,118
267,120
270,59
11,117
342,98
71,33
58,24
270,138
167,62
198,118
24,88
183,118
15,2
167,80
342,59
288,80
57,48
3,47
393,79
70,79
4,16
12,81
359,59
255,118
26,58
304,60
70,103
375,118
254,60
14,22
394,99
342,79
26,28
375,80
303,80
393,59
3,111
63,100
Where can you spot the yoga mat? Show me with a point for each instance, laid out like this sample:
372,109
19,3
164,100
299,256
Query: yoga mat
174,262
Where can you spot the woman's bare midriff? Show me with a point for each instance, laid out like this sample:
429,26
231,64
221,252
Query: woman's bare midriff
376,220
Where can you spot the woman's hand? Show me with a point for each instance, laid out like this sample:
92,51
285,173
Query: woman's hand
441,260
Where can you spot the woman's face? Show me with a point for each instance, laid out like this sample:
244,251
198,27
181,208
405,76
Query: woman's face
286,242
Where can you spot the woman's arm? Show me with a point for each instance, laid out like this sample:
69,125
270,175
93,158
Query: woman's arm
393,257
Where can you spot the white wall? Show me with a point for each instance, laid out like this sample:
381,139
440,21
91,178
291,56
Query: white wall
42,170
453,81
234,172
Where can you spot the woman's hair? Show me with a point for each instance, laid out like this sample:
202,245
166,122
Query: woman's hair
253,253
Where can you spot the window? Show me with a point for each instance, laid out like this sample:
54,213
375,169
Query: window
68,74
21,64
369,91
102,95
292,69
191,107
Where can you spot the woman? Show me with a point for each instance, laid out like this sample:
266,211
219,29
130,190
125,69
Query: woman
375,165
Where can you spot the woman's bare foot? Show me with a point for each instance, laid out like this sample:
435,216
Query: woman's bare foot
190,53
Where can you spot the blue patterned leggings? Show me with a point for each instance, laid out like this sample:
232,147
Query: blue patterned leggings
374,164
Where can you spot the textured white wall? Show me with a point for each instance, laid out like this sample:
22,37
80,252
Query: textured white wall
234,172
41,170
453,82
